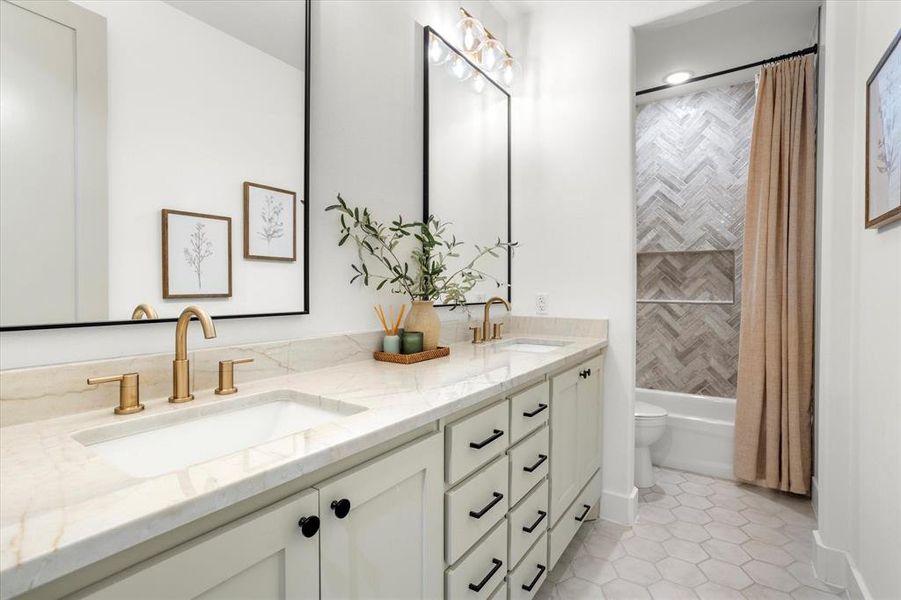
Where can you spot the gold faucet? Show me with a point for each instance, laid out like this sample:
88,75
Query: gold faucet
144,310
486,324
181,373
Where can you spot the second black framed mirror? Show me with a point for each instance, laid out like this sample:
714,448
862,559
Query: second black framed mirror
466,156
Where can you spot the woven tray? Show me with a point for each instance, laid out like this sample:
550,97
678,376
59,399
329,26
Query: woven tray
409,359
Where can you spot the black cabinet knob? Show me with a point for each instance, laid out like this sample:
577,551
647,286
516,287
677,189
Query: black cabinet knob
308,526
587,372
583,374
341,507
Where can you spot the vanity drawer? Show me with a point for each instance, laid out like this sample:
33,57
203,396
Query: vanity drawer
475,440
483,570
528,464
527,522
572,517
524,581
473,507
500,593
529,410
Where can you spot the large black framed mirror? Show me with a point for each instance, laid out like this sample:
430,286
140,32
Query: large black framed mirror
154,154
466,156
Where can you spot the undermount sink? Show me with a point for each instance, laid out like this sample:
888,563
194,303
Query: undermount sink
181,438
533,346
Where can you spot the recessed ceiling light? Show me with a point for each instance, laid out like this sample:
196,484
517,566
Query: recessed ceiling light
678,77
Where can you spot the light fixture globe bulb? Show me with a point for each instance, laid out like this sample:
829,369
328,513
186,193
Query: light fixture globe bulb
510,71
473,34
492,54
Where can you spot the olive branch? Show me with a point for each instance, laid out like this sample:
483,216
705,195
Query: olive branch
379,255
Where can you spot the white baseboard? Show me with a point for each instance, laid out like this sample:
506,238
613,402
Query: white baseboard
619,508
836,567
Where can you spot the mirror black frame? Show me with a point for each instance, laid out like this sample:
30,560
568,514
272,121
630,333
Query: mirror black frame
427,33
306,224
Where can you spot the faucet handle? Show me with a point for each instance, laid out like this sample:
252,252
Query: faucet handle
129,391
476,334
227,375
497,331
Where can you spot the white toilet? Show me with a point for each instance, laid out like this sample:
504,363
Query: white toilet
650,423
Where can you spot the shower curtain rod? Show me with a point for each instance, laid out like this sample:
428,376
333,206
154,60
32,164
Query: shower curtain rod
810,50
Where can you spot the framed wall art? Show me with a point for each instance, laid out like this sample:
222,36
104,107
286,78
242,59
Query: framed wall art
270,223
883,144
197,251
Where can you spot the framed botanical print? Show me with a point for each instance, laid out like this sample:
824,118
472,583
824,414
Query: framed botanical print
883,145
270,223
197,251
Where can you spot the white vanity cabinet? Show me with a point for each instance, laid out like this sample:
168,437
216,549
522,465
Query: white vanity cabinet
380,534
264,555
479,508
383,526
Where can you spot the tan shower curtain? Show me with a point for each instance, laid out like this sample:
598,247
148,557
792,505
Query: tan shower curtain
775,371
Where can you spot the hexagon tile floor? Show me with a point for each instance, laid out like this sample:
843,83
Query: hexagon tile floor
696,537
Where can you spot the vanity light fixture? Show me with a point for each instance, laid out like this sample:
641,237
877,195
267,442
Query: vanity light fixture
487,51
677,77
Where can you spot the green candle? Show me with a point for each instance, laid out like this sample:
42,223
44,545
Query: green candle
412,342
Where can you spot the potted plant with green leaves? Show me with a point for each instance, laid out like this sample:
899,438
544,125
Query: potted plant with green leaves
412,258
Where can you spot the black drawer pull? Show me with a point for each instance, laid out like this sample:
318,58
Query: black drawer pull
341,507
531,528
540,408
478,446
588,373
541,459
308,526
478,515
541,570
583,374
481,584
584,514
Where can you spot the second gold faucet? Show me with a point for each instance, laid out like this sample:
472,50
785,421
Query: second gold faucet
181,366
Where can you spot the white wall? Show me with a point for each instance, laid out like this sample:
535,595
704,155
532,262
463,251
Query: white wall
366,143
859,324
573,193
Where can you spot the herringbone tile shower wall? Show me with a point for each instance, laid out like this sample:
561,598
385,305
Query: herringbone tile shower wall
691,172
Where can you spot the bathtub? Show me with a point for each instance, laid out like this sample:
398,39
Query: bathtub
700,432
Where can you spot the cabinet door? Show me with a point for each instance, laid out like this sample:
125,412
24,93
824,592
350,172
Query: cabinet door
264,555
565,466
383,526
589,424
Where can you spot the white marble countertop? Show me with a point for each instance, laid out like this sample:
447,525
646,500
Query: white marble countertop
62,507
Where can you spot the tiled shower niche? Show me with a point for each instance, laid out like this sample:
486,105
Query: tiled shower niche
693,276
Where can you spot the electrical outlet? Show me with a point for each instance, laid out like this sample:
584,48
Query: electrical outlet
542,302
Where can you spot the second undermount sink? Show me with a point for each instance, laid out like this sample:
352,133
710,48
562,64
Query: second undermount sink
167,442
533,346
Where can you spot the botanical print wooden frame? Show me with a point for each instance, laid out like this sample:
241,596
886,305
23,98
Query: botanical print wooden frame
189,241
883,141
265,215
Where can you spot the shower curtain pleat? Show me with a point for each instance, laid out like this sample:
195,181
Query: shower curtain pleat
773,441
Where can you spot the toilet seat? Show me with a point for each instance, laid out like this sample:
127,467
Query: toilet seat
643,410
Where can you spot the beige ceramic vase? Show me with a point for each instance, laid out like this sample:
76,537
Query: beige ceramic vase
424,318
